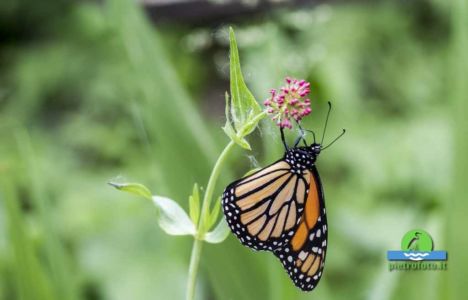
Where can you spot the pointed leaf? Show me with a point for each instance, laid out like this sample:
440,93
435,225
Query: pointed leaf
233,136
251,124
194,204
243,103
219,234
172,218
133,188
227,113
242,110
214,214
231,132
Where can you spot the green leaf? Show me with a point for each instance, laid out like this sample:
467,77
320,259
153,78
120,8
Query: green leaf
194,204
250,126
235,138
133,188
230,131
214,214
227,112
172,218
219,234
242,110
243,105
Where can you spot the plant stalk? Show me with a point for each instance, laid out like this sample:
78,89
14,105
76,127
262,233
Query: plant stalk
201,228
210,187
193,268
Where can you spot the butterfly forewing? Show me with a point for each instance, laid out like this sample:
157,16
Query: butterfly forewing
263,209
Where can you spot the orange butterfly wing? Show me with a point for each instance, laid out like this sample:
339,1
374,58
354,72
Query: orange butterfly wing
263,209
304,257
282,209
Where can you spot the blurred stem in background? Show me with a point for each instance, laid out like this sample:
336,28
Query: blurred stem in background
457,280
165,114
56,281
30,279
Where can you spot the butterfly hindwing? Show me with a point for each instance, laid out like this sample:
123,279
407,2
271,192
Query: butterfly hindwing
263,209
304,256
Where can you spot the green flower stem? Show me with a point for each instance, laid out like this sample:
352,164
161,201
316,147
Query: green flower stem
210,187
193,268
201,229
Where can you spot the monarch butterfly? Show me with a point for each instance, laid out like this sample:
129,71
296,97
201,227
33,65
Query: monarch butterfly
281,209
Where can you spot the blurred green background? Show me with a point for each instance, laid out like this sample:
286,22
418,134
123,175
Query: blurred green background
98,91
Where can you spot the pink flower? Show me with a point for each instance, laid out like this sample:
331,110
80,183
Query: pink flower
289,102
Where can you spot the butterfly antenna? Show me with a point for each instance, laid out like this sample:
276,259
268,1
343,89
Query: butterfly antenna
337,138
326,122
313,133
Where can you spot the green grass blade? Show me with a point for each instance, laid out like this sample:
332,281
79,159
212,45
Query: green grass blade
457,281
31,281
60,275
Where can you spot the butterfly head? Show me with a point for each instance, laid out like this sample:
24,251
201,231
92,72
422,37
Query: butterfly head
301,158
315,149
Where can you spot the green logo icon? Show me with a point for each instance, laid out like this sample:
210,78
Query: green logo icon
417,240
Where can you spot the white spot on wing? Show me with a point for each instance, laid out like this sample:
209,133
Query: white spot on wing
302,255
